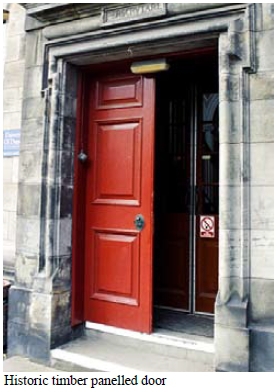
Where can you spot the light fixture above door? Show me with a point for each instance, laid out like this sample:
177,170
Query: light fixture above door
150,66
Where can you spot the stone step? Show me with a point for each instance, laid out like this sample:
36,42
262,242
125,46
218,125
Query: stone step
117,350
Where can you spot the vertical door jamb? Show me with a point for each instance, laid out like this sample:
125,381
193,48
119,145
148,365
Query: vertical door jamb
78,214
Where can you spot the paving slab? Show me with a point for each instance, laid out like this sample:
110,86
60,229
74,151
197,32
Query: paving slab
20,364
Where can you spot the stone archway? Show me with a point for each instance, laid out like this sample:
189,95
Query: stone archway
45,293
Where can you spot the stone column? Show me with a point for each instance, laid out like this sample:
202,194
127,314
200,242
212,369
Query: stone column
236,62
14,64
261,309
39,315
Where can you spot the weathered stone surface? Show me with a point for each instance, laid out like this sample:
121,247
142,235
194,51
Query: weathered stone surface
13,74
72,28
18,335
68,125
262,301
61,169
12,226
33,82
61,274
261,87
16,48
60,316
233,287
34,49
8,259
15,161
229,122
5,224
265,58
30,167
29,200
12,100
25,270
262,165
40,312
7,169
9,226
232,313
60,234
12,120
27,235
229,249
231,349
16,22
69,106
66,201
32,108
230,164
31,343
18,305
262,254
229,87
262,121
176,8
262,202
70,81
268,16
10,197
32,135
262,350
230,196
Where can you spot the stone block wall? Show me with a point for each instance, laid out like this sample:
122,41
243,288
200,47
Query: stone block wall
261,309
14,68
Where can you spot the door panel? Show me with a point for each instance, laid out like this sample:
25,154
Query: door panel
117,151
119,186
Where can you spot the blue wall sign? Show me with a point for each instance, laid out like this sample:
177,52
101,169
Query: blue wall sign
11,143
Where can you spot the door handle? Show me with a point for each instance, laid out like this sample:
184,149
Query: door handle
139,222
82,157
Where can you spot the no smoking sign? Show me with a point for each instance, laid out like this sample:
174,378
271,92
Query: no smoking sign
207,226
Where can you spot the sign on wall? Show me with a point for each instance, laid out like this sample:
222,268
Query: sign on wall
11,142
207,226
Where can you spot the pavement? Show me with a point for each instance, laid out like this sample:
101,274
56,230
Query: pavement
19,364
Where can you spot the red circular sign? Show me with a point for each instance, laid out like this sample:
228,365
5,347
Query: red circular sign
207,226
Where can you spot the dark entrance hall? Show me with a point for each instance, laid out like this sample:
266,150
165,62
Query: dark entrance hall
186,187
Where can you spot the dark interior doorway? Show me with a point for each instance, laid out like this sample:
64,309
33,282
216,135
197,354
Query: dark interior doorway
186,188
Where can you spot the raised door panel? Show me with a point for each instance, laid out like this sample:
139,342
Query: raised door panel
119,93
117,164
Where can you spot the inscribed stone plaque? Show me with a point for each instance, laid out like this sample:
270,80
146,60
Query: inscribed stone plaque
135,12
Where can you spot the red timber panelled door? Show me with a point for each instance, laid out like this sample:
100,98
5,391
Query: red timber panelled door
118,202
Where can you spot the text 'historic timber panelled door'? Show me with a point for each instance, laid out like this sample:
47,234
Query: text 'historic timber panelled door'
119,188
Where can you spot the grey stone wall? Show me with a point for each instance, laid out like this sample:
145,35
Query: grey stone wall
261,311
14,66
